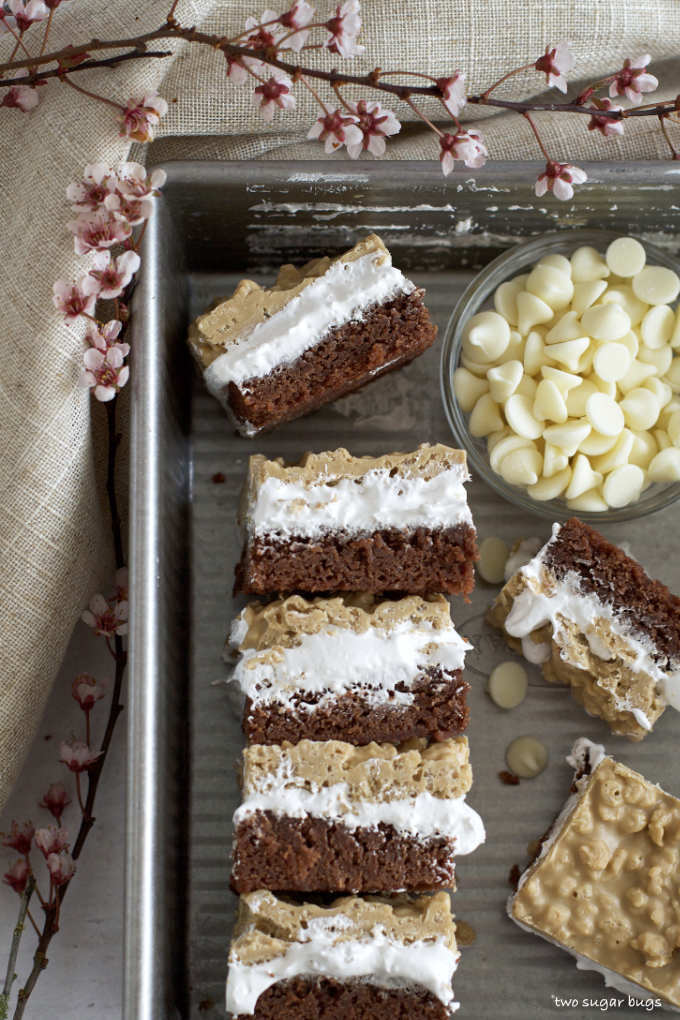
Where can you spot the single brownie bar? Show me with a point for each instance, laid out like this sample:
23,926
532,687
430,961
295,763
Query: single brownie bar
604,884
351,668
387,959
321,331
324,816
333,522
594,620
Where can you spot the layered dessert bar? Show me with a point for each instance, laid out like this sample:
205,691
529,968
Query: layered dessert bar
334,523
593,619
271,355
357,958
604,883
351,668
324,816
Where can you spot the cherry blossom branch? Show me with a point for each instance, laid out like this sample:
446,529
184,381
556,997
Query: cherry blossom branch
10,975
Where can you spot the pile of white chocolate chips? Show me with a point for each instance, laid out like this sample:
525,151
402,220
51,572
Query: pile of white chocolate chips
574,379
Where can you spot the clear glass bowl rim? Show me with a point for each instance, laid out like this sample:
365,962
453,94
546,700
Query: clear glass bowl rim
504,267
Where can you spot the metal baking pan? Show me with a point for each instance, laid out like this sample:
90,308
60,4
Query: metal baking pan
215,224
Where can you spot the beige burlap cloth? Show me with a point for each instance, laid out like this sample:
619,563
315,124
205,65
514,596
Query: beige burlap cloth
53,529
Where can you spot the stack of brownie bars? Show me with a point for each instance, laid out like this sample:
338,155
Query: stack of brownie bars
355,772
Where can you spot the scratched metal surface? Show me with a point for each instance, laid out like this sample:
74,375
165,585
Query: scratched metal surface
182,782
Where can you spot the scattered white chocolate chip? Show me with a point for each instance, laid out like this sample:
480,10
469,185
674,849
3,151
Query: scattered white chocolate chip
554,460
518,412
623,295
604,414
505,298
493,555
626,256
673,428
508,685
665,466
531,311
673,375
565,381
569,352
660,358
657,326
583,477
591,501
618,455
635,376
549,404
595,444
560,262
504,380
526,757
522,466
489,333
534,352
622,485
640,409
568,436
550,285
611,361
605,322
550,486
566,328
644,447
505,445
656,285
586,294
588,264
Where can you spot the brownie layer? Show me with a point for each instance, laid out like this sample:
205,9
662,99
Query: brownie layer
647,606
438,710
326,999
350,355
422,561
309,854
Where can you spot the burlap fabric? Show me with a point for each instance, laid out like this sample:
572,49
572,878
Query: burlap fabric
53,537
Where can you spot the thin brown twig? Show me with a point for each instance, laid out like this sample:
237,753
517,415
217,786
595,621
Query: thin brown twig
92,95
674,152
48,26
10,974
538,137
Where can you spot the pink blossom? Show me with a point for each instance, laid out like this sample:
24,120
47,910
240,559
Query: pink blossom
56,800
556,63
87,690
103,337
264,32
134,181
375,124
336,129
559,178
236,68
607,125
88,195
51,840
27,11
466,145
344,28
105,617
274,92
20,837
298,17
113,274
633,79
140,116
17,876
77,756
21,97
453,92
61,867
105,374
74,299
127,209
97,231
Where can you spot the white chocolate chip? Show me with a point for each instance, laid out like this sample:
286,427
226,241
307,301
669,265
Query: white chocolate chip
550,487
508,685
468,388
550,285
485,417
665,466
623,295
578,397
560,262
549,403
623,485
592,501
515,349
505,298
522,466
518,412
566,328
586,294
604,386
526,757
626,256
554,460
611,361
673,428
673,375
661,390
569,352
493,555
587,264
489,333
568,436
635,376
640,409
531,311
656,285
504,380
605,322
657,326
477,368
644,448
604,414
662,438
527,387
534,352
583,477
595,444
503,447
565,381
631,343
617,456
675,339
660,359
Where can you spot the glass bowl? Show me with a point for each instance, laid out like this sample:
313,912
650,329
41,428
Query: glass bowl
478,297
